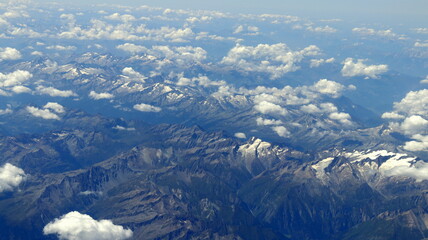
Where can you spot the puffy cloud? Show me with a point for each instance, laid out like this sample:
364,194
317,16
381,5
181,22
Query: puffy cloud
131,75
118,17
249,30
325,29
414,125
98,96
425,80
58,108
240,135
200,80
414,103
421,30
410,168
53,92
351,69
146,108
132,48
275,59
15,78
20,89
267,122
327,87
42,113
281,131
392,115
319,62
265,107
10,177
421,143
421,44
77,226
9,54
61,48
341,117
310,108
379,33
5,111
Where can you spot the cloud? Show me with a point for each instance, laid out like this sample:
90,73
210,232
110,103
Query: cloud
240,135
131,75
265,107
411,168
319,62
146,108
341,117
97,96
424,80
58,108
267,122
379,33
421,44
392,115
351,69
276,59
118,17
118,127
328,87
20,89
200,80
414,125
281,131
53,92
42,113
15,78
421,30
9,54
421,143
61,48
414,103
77,226
10,177
6,111
132,48
325,29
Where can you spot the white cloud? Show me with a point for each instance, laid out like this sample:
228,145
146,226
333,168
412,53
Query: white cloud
267,122
328,87
132,48
412,169
118,17
276,59
414,103
42,113
281,131
265,107
77,226
53,92
9,54
341,117
425,80
388,33
20,89
98,96
421,44
200,80
58,108
351,69
118,127
414,125
325,29
10,177
131,75
421,30
310,108
421,143
5,111
15,78
319,62
146,108
61,48
240,135
392,115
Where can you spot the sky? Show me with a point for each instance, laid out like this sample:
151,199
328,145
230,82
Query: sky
380,11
